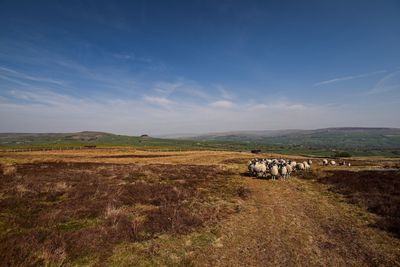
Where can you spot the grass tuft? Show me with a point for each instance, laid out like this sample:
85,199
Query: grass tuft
9,170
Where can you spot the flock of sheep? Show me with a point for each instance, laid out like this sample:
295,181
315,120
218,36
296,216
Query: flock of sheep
281,167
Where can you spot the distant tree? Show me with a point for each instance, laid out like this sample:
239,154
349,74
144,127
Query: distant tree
341,154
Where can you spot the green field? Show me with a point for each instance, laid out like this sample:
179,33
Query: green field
376,142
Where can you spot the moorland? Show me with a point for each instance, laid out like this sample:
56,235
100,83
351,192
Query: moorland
129,206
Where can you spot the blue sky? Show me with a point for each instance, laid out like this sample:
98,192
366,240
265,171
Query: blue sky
163,67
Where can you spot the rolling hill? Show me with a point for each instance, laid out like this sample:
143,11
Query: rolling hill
260,135
357,141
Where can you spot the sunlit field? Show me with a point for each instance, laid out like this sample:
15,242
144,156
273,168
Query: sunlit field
124,207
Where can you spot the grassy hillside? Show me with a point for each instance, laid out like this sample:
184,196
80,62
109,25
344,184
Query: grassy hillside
18,140
323,142
359,141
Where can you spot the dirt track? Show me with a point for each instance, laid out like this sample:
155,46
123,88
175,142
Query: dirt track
289,223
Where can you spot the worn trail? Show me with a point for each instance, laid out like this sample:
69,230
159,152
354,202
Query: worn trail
292,223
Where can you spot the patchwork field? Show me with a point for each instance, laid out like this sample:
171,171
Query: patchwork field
124,207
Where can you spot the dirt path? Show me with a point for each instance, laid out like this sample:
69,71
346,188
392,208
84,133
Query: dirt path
293,223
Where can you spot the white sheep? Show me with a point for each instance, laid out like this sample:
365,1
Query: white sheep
274,171
293,164
260,168
289,169
333,163
250,167
307,167
325,162
283,171
300,167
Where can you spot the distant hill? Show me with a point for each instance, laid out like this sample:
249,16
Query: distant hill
347,132
48,138
80,138
100,139
357,141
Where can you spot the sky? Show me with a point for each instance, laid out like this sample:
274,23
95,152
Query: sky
162,67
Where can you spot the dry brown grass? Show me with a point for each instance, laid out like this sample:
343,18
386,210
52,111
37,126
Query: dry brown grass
376,191
126,207
60,211
9,170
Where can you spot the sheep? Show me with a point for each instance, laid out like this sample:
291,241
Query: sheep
250,167
333,163
289,169
284,168
249,163
349,164
307,167
260,169
274,171
283,172
293,164
324,162
299,166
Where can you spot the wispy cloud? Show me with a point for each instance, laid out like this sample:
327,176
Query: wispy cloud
43,111
182,87
222,104
279,106
386,84
133,57
42,97
161,101
109,74
347,78
288,106
18,76
224,92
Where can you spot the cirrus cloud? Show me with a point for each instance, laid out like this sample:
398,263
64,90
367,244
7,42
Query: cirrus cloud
222,104
161,101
